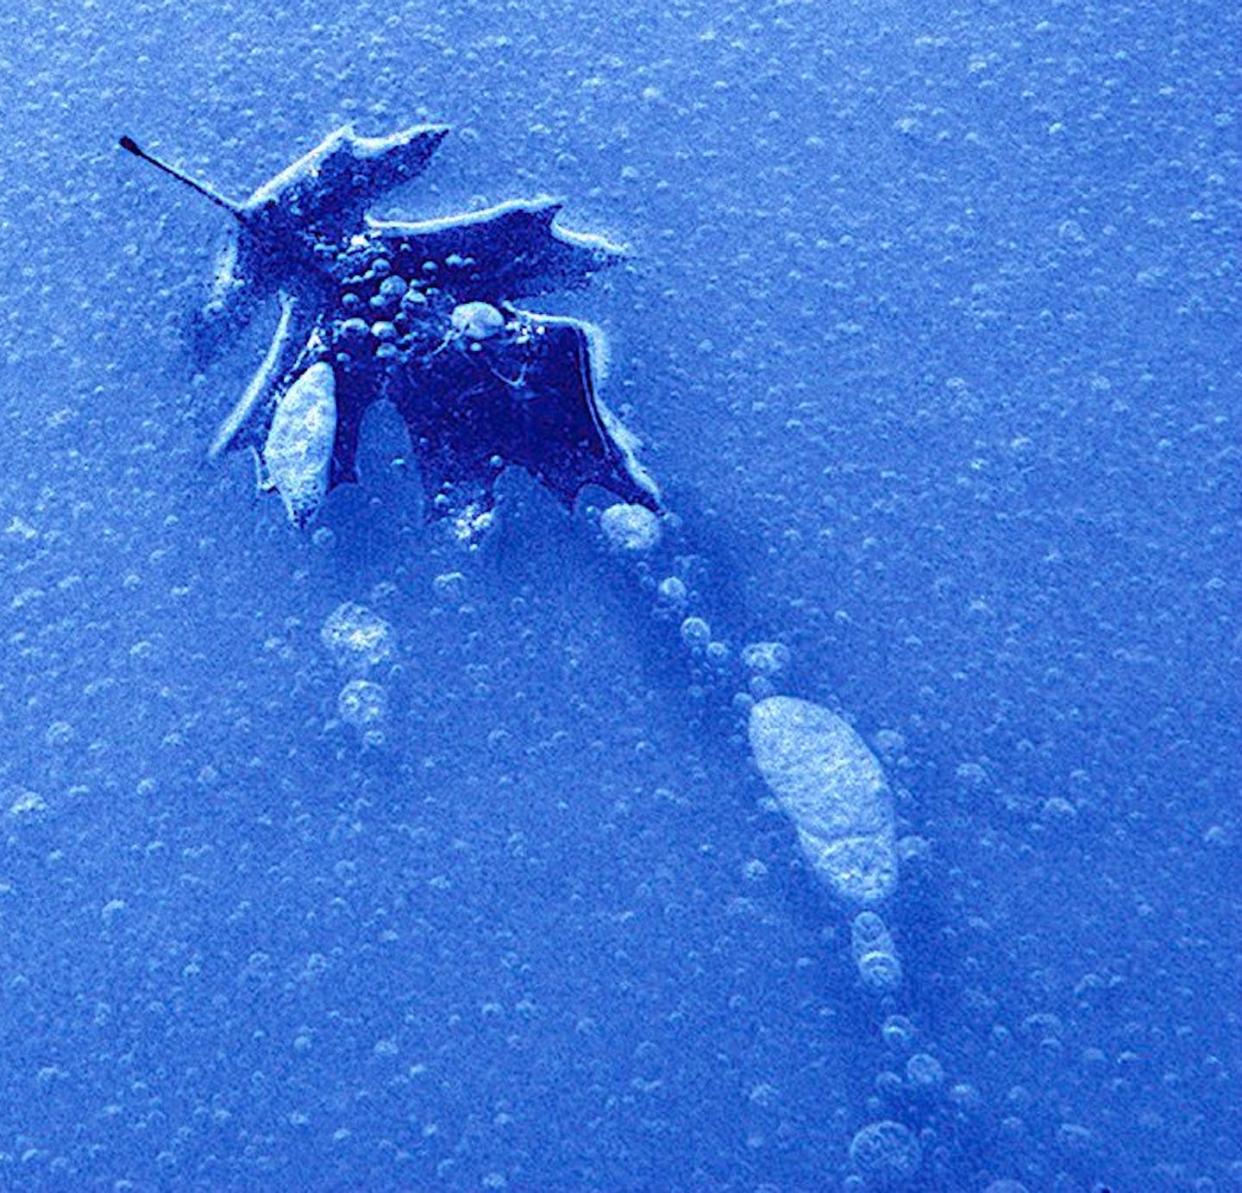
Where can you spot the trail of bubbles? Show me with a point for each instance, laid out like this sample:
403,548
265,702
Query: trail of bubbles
833,789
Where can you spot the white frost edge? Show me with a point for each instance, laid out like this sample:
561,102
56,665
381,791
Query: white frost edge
259,383
363,147
536,206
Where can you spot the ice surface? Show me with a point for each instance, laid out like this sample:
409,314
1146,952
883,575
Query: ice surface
931,327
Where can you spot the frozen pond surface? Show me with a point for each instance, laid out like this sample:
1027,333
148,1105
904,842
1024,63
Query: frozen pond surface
350,858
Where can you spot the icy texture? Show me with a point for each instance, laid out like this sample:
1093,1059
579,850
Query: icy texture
931,322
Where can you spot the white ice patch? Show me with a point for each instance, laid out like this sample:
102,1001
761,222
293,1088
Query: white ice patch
833,788
298,450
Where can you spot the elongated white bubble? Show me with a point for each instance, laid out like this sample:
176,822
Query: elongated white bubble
834,790
298,450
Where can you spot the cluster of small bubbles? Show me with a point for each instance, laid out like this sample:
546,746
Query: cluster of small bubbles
389,294
765,658
362,702
874,952
630,527
970,774
886,1150
695,633
924,1072
764,661
356,637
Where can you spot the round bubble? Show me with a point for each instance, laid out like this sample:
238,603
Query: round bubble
695,632
477,320
355,330
924,1071
362,702
869,929
356,637
889,742
673,590
880,970
886,1150
898,1031
630,527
